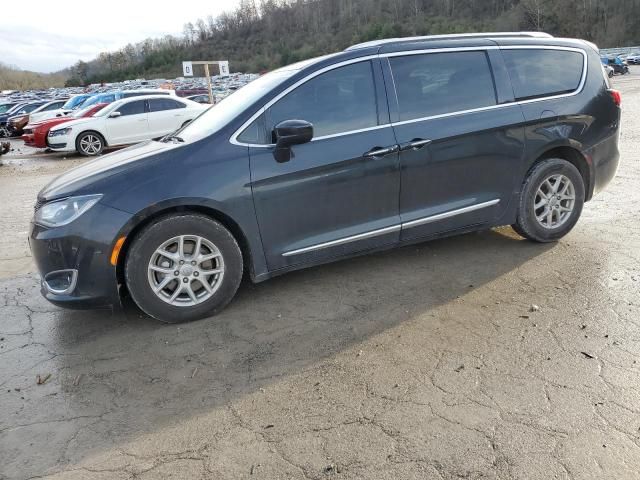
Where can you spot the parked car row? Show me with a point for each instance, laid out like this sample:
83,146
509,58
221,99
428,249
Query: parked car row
633,59
617,64
123,122
132,116
34,114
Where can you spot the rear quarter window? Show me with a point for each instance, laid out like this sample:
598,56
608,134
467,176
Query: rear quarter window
537,73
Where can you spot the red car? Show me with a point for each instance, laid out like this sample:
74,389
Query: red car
35,134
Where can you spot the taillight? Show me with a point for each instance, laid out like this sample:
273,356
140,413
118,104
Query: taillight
615,94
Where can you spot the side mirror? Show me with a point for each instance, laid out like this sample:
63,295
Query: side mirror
289,133
114,114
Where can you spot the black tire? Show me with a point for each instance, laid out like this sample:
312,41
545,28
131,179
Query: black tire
152,237
527,224
94,138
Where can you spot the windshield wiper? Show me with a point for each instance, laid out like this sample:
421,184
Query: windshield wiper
173,138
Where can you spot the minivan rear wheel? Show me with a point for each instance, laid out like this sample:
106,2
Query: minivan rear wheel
551,201
183,267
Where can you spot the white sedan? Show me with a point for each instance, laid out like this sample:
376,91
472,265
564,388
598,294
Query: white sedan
124,122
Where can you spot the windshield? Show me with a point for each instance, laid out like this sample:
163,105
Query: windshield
73,102
5,107
82,111
100,98
90,101
16,108
215,118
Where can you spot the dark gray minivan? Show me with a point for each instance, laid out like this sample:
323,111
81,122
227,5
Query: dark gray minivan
385,144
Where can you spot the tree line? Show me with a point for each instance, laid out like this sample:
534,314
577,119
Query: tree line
260,35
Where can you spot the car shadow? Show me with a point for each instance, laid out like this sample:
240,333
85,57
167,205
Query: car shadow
146,375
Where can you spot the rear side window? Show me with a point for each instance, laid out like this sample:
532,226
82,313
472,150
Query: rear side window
440,83
539,73
161,104
338,101
132,108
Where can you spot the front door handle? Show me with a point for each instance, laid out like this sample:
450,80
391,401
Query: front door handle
380,151
415,144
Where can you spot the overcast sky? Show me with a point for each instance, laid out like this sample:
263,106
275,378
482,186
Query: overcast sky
47,36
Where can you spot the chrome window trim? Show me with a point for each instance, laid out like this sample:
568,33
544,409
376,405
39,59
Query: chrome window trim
393,228
454,114
234,137
238,132
583,80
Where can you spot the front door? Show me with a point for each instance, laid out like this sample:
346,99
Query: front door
339,193
461,151
131,126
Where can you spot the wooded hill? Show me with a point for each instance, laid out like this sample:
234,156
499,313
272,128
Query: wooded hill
13,79
264,34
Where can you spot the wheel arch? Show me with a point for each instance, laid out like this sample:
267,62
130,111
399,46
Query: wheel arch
574,156
92,130
141,221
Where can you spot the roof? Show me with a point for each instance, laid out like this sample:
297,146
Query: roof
387,41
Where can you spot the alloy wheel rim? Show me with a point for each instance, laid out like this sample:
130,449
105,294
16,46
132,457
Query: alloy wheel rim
90,144
554,201
186,270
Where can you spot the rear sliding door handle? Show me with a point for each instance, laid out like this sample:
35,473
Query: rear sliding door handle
415,144
380,152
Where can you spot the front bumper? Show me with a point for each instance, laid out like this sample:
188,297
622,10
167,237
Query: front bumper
84,247
61,143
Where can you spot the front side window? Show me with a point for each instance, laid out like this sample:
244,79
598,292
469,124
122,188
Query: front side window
161,104
132,108
441,83
539,73
53,106
338,101
31,108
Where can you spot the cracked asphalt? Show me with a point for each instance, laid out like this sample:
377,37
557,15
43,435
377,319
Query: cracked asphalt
422,363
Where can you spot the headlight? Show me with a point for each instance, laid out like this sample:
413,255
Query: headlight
62,131
62,212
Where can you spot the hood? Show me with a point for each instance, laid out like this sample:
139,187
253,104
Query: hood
78,121
49,123
80,179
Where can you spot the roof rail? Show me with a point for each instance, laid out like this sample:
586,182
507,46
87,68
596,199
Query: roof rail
451,36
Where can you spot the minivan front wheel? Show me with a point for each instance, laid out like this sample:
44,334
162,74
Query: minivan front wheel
183,267
551,201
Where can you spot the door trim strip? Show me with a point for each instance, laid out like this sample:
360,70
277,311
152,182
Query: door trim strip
451,213
391,229
341,241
